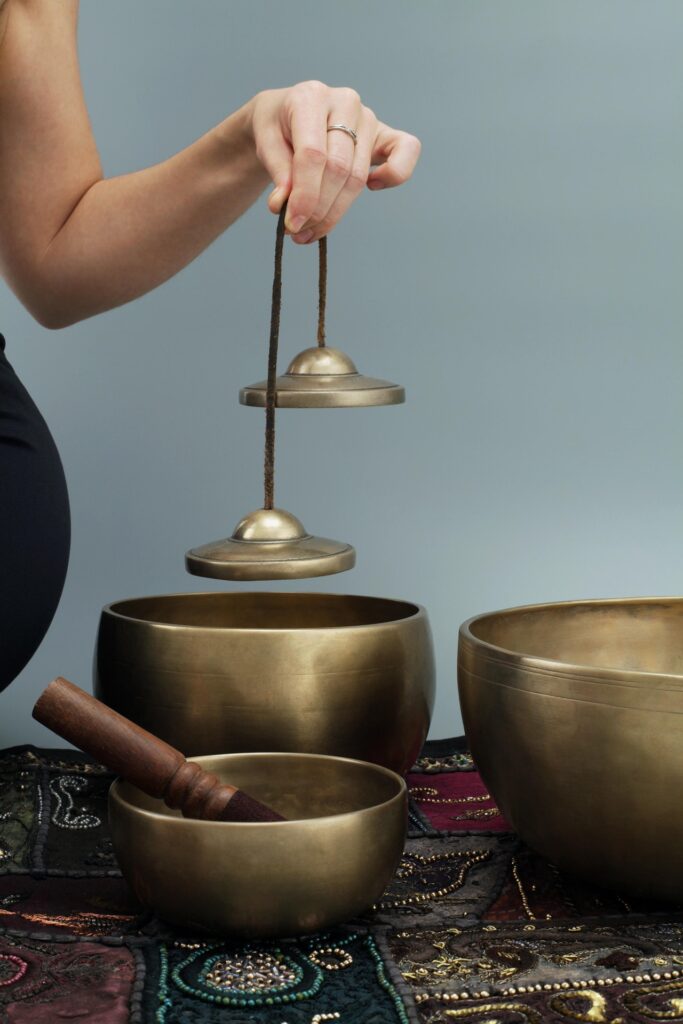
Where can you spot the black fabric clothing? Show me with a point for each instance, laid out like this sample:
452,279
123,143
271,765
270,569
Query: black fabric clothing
35,525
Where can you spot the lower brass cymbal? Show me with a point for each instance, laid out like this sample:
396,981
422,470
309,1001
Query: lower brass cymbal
270,544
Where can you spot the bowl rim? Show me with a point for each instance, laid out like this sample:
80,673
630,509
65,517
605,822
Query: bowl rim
116,796
418,611
556,666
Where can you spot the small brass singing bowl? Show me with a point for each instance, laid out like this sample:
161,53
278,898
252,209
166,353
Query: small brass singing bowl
574,715
330,861
230,672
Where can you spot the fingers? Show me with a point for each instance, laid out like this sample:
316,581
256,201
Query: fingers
355,182
345,108
308,111
396,153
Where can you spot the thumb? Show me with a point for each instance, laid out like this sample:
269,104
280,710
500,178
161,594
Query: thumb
278,196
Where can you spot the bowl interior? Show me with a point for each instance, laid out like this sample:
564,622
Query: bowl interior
299,786
263,610
638,635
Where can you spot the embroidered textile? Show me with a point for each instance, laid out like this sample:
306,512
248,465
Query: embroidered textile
474,926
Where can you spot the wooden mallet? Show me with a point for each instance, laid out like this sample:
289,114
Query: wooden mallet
142,759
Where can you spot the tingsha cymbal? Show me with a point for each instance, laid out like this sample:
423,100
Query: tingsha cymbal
270,544
324,378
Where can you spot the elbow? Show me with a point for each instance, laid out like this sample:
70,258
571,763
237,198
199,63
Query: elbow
52,319
48,317
57,312
51,293
45,295
49,309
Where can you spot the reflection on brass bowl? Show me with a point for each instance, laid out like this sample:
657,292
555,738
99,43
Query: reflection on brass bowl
229,672
330,861
574,715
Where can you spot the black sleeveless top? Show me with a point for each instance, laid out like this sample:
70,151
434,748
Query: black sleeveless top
34,525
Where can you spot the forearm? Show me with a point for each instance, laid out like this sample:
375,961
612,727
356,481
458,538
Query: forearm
131,233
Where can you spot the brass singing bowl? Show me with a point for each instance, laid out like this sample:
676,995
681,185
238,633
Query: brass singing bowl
331,860
574,716
232,672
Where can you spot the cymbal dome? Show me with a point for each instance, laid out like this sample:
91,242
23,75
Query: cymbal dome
269,524
322,361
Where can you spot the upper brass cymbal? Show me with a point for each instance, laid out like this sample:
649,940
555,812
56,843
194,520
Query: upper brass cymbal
324,378
270,544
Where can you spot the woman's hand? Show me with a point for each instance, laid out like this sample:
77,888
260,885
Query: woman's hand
321,172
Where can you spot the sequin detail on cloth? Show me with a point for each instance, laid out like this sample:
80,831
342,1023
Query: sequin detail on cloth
473,927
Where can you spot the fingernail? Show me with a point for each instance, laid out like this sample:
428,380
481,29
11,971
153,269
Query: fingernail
375,185
304,237
295,224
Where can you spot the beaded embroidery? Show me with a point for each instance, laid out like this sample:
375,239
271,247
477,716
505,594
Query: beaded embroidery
12,968
252,974
414,865
453,964
450,763
431,795
331,958
288,977
248,978
65,814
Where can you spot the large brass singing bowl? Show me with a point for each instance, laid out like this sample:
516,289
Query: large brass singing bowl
574,715
230,672
330,861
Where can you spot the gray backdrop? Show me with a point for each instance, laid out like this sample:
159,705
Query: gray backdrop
525,287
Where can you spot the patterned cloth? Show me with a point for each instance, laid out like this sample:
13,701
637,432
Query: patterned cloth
474,926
